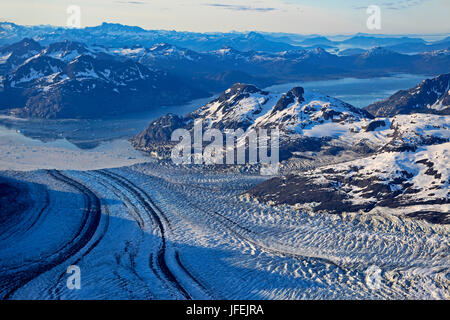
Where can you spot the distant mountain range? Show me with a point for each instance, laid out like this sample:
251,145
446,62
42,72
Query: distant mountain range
74,79
218,69
117,35
359,43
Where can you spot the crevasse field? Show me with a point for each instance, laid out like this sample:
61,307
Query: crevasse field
165,232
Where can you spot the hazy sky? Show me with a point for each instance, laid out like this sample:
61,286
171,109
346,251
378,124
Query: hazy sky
296,16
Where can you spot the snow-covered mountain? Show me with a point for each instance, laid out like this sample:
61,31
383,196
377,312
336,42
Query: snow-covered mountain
314,128
245,106
308,122
14,55
72,80
430,96
336,158
112,34
69,50
404,170
218,69
415,184
152,54
197,73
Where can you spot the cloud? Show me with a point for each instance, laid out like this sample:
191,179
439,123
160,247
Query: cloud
395,5
239,7
131,2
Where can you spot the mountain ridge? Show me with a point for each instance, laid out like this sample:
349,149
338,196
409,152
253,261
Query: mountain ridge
430,96
68,80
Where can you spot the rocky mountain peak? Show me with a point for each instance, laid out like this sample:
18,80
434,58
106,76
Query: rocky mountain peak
239,91
295,95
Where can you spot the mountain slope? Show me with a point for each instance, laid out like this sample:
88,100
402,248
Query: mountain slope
415,184
247,107
219,69
216,69
405,171
70,80
308,122
430,96
14,55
